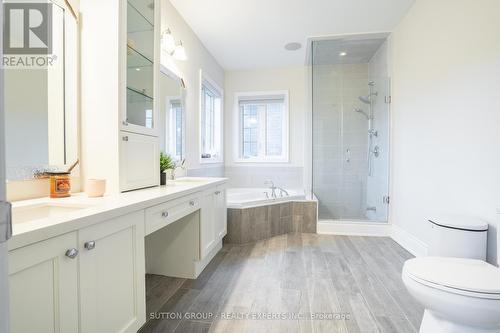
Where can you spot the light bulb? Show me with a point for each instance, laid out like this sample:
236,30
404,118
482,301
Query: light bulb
180,52
167,41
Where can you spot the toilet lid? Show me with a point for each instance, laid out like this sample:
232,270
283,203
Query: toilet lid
458,273
460,222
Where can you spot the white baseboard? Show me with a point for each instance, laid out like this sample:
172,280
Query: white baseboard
353,228
409,242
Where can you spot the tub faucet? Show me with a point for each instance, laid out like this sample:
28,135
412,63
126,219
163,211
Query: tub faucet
282,190
272,187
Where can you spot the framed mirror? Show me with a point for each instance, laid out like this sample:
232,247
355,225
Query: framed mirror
172,114
41,118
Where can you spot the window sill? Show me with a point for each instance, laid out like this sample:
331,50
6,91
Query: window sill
262,161
211,161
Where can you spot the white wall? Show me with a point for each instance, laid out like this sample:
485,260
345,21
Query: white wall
198,58
288,175
446,114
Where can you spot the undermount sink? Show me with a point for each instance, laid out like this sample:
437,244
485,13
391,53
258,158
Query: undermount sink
45,210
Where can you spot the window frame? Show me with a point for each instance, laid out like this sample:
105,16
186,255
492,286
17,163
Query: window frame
262,95
207,82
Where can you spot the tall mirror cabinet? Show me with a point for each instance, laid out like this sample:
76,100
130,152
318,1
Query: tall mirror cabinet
127,79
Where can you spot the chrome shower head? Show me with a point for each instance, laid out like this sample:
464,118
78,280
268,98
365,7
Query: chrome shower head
365,99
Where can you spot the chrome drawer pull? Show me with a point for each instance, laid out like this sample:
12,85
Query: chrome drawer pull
217,192
89,245
164,214
72,253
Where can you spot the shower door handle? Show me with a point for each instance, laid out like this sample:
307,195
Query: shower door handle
348,155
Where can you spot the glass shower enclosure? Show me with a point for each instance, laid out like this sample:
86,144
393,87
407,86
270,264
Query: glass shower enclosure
350,129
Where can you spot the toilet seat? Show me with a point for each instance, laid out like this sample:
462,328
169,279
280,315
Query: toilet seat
468,277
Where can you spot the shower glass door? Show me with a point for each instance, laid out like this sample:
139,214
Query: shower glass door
350,131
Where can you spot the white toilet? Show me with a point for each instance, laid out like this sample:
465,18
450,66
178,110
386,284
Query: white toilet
458,289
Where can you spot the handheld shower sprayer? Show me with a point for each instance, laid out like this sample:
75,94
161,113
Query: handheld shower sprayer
358,110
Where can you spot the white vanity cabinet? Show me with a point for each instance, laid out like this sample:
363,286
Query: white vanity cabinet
139,161
112,286
43,280
207,224
89,277
213,223
220,212
88,281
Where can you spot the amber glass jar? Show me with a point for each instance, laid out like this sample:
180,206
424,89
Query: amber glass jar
60,184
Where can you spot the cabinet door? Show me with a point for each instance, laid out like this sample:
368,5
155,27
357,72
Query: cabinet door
220,212
112,275
142,45
207,224
139,161
44,286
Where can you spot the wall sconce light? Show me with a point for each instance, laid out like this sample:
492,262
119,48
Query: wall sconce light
179,52
176,50
167,41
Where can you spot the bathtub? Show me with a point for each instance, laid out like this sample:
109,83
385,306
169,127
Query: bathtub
254,197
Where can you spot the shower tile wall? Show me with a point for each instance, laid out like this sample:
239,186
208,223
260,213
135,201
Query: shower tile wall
340,177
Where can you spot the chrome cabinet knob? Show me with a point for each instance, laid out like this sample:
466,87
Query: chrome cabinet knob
89,245
217,192
191,203
164,214
125,123
72,253
125,138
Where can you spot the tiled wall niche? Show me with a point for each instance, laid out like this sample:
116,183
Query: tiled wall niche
252,224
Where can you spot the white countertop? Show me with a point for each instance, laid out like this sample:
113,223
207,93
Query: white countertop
100,209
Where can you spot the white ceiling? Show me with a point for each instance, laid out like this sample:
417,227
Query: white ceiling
346,50
250,34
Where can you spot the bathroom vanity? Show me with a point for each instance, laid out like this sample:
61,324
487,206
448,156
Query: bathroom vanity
78,264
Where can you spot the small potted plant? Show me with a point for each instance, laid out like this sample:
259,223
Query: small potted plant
166,163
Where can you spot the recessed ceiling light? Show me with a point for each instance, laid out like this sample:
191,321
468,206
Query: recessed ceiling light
293,46
137,69
342,54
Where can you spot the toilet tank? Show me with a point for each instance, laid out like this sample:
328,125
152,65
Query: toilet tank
458,236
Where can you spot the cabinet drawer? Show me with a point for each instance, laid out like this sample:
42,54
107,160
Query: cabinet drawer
162,215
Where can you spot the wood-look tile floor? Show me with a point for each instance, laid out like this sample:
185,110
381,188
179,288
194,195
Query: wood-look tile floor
349,284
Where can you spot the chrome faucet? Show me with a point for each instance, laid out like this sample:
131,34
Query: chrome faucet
181,165
282,190
272,187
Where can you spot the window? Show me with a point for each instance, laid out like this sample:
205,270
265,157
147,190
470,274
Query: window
175,125
263,127
211,122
